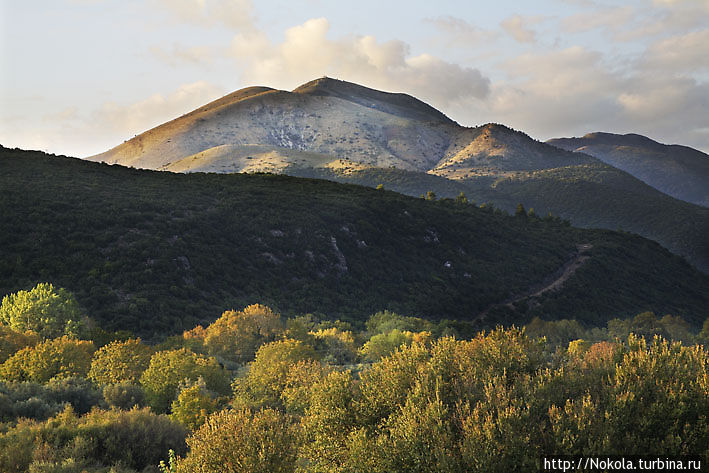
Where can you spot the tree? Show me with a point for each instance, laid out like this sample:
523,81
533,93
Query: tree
337,345
241,442
61,357
11,341
235,336
120,361
461,199
268,374
193,405
167,369
383,344
48,311
519,211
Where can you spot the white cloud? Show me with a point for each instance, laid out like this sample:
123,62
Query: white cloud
138,117
236,14
575,91
460,32
518,27
611,19
307,53
178,53
70,132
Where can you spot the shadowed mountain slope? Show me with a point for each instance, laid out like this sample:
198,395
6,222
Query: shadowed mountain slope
157,252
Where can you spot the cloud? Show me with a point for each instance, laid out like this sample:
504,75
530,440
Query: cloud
135,118
235,14
460,31
576,90
628,23
83,134
679,54
610,19
198,55
307,52
516,26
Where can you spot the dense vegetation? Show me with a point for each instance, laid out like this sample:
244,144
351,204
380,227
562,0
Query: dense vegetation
155,253
589,195
256,392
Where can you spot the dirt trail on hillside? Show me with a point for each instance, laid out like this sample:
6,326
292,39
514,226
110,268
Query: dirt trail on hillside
552,282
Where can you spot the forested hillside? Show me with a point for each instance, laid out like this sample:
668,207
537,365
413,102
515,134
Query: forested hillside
156,252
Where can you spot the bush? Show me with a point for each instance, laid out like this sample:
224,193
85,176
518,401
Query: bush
239,442
124,395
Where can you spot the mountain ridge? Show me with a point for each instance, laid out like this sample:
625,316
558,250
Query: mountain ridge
679,171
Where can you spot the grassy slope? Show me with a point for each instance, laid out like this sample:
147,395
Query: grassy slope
155,252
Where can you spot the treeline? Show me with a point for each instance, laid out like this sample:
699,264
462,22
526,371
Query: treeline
254,392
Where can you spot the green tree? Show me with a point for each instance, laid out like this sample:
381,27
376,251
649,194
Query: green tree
519,211
461,199
46,310
120,441
120,361
167,369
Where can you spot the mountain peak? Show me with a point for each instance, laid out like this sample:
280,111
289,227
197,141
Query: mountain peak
395,103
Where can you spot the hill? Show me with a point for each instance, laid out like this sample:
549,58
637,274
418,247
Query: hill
679,171
157,252
337,130
505,167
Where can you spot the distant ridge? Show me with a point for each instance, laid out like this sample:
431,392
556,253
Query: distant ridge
679,171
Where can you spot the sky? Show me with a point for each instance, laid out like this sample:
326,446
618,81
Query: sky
78,77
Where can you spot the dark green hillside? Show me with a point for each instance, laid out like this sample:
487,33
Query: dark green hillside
597,195
155,252
591,195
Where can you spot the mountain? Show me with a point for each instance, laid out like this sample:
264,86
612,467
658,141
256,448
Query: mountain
325,116
157,252
679,171
341,131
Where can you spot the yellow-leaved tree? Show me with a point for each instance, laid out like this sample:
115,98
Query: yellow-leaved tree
120,361
235,336
57,358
